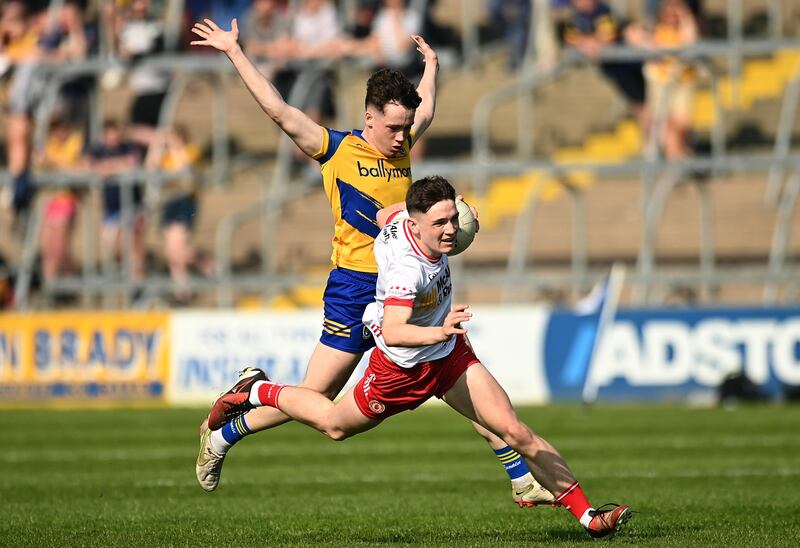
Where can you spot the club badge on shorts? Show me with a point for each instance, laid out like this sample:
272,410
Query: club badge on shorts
376,407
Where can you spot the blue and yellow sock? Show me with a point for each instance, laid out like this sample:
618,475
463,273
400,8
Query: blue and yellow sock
513,462
230,433
235,430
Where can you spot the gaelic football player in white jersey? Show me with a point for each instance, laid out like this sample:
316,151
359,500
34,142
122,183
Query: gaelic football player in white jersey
363,171
422,351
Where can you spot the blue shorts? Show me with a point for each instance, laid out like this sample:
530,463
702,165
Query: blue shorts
347,294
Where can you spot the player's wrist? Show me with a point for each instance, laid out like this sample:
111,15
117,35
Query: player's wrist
234,50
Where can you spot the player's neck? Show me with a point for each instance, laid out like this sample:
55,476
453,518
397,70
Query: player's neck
366,134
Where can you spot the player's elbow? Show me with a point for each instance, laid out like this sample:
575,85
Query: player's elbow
277,113
425,117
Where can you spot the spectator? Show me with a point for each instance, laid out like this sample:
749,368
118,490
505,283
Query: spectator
590,29
62,152
28,40
68,38
113,157
139,36
315,29
389,44
172,152
670,82
513,18
265,36
364,16
390,39
314,35
652,7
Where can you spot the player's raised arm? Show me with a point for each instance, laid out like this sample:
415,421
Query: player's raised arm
306,133
426,89
397,331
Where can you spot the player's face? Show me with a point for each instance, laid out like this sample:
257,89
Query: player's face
436,229
389,130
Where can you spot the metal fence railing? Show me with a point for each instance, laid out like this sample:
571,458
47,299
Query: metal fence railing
658,177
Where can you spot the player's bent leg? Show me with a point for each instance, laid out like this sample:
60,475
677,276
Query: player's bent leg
328,371
346,419
338,421
526,492
479,397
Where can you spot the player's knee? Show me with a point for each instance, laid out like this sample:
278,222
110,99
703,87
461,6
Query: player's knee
336,434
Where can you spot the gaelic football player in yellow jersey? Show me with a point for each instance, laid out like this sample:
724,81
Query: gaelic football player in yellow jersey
364,171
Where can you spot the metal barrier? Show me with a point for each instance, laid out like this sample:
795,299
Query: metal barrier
656,188
482,166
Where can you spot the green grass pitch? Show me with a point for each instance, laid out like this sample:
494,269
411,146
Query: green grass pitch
126,478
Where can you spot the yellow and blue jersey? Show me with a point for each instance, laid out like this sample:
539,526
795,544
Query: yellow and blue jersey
359,181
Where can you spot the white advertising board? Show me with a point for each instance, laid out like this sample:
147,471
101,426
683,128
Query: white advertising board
208,348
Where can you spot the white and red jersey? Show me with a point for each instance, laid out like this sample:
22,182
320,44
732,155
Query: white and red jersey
409,277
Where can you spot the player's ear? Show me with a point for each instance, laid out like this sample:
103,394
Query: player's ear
368,118
413,224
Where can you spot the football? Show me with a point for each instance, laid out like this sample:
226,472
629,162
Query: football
467,225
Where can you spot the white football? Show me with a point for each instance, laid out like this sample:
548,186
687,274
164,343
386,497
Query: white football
467,225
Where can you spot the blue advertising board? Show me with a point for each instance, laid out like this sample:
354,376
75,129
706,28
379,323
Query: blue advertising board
660,354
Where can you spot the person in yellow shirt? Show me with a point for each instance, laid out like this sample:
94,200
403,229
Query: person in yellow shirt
591,28
364,171
63,152
26,42
670,82
172,152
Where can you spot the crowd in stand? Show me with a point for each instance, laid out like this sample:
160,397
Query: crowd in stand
284,44
659,91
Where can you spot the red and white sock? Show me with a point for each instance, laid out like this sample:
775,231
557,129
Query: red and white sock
265,393
574,499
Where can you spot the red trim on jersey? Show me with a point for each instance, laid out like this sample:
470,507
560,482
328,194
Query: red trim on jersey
392,216
417,249
394,301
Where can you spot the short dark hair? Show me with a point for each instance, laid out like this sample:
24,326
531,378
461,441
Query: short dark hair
387,86
424,193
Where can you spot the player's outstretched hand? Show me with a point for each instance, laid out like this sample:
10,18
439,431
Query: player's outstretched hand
223,40
422,46
452,323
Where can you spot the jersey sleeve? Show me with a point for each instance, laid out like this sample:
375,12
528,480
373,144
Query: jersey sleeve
331,139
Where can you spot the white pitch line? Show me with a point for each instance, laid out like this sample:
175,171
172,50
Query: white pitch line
461,447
